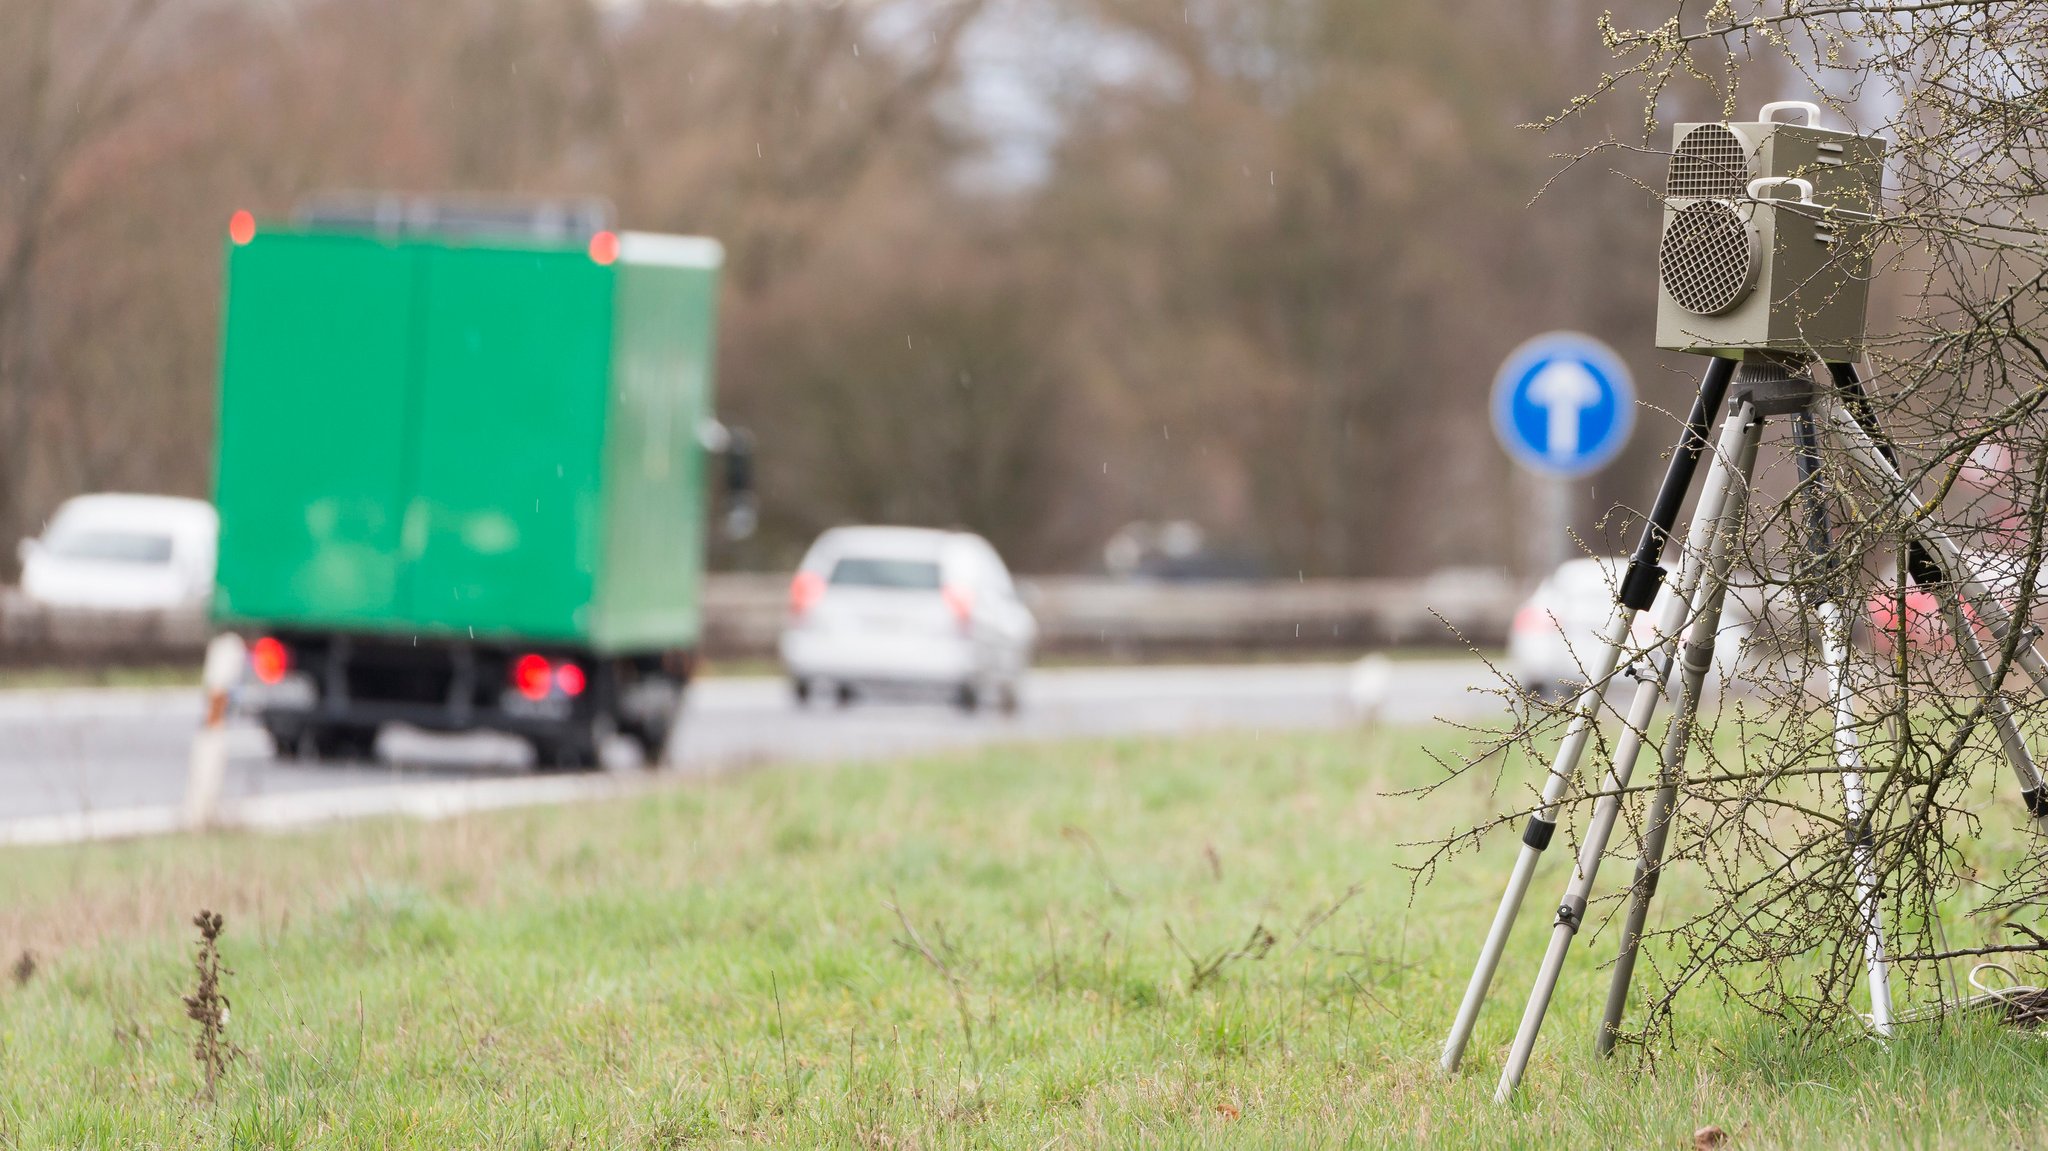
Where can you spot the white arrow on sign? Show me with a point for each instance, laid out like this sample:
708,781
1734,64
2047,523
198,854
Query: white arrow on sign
1564,388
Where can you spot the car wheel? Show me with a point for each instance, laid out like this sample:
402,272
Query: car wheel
800,690
1008,699
967,699
845,695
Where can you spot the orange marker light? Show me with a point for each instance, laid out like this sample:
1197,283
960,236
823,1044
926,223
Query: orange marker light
242,227
604,248
269,659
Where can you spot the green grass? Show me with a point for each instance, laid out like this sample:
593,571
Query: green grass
60,676
737,961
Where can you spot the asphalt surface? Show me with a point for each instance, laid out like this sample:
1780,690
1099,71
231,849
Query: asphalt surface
91,763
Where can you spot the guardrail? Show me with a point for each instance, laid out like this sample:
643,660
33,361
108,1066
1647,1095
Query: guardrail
1077,615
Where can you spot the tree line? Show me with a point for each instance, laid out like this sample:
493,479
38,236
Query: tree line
1256,274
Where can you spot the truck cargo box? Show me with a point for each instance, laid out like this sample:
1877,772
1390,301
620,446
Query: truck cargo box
484,440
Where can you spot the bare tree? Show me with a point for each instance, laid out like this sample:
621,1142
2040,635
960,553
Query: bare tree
64,82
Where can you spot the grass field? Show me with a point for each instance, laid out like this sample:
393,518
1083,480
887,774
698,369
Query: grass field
1024,947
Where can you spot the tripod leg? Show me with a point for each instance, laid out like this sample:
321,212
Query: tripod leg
1695,661
1834,624
1638,590
1834,627
1737,443
1937,563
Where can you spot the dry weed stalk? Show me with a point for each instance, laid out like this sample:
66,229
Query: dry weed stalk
208,1004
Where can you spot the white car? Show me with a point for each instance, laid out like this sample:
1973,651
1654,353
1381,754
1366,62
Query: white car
123,553
1556,634
914,610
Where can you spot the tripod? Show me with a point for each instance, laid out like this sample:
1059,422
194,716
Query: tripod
1763,388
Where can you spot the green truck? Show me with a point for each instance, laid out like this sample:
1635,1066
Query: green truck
462,473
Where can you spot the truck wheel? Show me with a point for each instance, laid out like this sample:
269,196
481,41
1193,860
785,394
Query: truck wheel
568,754
652,739
579,748
338,743
287,742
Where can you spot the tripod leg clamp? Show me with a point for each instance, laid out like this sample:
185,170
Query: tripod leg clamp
1922,566
1859,834
1639,584
1699,657
1571,912
1646,879
2036,800
1537,832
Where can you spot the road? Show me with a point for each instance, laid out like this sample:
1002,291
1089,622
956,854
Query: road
93,763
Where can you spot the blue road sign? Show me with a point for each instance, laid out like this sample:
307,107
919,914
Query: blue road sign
1563,404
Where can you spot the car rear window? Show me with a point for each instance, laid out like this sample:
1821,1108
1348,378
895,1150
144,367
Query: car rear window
1585,579
910,575
117,547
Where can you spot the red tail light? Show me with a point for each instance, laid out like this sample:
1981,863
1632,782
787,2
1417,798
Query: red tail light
805,591
531,676
604,248
1532,618
269,659
242,227
962,602
570,679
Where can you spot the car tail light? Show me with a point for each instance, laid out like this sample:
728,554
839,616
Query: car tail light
962,602
242,227
269,659
531,676
604,248
1532,618
805,591
570,679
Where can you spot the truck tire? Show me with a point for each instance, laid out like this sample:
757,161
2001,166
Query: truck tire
287,742
563,753
652,739
337,743
578,748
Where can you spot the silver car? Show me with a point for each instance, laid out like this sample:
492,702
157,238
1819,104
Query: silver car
1556,634
888,610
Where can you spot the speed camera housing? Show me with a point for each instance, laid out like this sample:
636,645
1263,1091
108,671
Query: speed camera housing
1766,239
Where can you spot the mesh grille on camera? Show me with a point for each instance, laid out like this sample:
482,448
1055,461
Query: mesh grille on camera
1710,161
1704,259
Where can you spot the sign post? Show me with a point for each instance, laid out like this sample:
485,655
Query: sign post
1563,406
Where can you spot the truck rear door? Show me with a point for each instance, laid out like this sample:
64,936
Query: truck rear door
313,429
504,517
